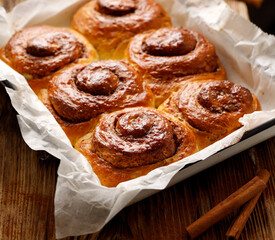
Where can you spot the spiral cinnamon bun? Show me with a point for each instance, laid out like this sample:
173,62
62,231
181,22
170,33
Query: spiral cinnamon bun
169,56
79,94
38,52
109,24
131,142
211,108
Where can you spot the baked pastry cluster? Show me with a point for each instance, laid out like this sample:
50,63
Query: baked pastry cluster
79,94
131,92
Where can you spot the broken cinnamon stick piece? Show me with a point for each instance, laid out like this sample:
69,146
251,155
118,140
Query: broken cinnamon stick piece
236,228
231,203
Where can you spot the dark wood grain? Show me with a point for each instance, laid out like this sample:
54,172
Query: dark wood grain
27,183
28,179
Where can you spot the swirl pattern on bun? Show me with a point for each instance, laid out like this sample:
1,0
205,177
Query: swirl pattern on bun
38,52
211,108
109,24
169,56
129,143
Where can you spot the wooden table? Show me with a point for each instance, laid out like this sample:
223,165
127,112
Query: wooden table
27,187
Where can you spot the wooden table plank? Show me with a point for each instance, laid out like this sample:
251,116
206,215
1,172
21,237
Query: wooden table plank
27,185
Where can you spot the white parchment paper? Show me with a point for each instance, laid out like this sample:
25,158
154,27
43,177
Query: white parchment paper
82,205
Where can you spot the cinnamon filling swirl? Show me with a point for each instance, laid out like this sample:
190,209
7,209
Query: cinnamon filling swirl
134,138
225,96
169,43
116,7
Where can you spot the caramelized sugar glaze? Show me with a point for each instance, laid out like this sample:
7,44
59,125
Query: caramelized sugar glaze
211,108
131,142
80,93
109,25
38,52
169,56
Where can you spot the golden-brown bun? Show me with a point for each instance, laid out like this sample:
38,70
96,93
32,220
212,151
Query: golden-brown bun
38,52
79,94
131,142
211,108
74,131
109,24
169,56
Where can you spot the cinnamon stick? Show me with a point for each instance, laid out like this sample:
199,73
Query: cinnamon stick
236,228
231,203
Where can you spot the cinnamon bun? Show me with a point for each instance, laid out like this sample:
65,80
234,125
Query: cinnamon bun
79,94
131,142
169,56
109,24
38,52
211,108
